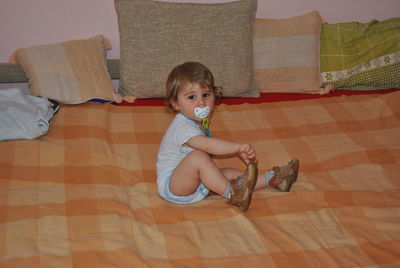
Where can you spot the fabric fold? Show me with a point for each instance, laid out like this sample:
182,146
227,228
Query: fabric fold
23,116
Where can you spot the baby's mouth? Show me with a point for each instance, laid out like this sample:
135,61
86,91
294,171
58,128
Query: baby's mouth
202,112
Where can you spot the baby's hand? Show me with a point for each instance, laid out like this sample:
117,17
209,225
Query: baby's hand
247,153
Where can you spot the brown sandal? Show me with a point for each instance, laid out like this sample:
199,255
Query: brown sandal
243,187
285,176
291,167
282,182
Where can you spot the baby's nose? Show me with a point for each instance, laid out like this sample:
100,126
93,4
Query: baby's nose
201,102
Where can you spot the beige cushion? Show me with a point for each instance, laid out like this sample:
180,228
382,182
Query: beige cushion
286,54
156,36
71,72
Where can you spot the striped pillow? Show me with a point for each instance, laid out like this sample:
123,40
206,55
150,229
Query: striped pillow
286,54
71,72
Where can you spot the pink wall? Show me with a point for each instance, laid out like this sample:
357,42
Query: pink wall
25,23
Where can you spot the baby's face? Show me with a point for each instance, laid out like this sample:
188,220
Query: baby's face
193,96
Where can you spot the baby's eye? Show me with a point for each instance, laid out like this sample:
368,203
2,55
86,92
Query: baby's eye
205,95
191,97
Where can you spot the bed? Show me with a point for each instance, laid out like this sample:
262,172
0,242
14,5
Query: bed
85,194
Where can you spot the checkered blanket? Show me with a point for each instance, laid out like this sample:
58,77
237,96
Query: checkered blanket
85,194
358,55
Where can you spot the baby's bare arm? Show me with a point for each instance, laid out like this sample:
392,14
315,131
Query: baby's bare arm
213,145
216,146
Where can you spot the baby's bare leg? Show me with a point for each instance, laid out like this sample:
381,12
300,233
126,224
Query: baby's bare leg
232,174
197,167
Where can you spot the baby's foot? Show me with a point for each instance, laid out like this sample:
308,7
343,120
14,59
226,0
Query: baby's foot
243,187
285,176
291,167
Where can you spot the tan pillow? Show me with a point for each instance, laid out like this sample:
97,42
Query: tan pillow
286,54
156,36
71,72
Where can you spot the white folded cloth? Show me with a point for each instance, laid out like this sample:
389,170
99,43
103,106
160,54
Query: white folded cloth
23,116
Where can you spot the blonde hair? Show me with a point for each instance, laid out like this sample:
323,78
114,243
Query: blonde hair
189,73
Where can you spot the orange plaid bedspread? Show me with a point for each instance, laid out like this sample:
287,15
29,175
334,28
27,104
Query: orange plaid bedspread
85,194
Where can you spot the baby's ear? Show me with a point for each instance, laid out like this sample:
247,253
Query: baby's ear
174,105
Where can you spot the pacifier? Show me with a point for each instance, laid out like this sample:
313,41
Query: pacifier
202,113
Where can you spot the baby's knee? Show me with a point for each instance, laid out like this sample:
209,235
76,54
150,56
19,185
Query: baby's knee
200,156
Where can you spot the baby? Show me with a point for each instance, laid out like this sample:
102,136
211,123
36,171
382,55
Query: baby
186,171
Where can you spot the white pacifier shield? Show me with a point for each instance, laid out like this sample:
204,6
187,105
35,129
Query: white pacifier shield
202,112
